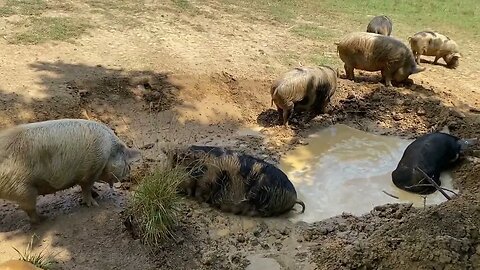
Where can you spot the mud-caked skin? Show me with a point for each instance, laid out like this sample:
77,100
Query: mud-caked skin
374,52
380,25
235,182
430,43
432,153
45,157
303,89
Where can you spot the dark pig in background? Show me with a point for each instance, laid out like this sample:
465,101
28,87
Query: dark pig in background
234,182
380,25
431,153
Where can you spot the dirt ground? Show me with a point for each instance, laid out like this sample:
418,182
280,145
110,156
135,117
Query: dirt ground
204,82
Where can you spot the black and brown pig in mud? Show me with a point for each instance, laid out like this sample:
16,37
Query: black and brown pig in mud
234,182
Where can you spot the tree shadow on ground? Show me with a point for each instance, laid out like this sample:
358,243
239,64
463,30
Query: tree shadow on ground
123,100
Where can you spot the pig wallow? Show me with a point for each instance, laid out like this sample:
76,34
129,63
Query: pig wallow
374,52
431,153
303,89
435,44
380,25
44,157
235,182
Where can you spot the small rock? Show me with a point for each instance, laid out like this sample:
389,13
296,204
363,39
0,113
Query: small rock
457,114
285,231
397,117
323,231
83,92
474,110
453,125
302,142
208,258
179,240
398,101
380,208
351,95
421,112
241,238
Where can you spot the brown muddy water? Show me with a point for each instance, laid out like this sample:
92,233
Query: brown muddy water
343,169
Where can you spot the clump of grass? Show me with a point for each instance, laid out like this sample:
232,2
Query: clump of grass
43,29
155,204
40,260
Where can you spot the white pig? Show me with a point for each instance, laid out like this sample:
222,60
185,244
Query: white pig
44,157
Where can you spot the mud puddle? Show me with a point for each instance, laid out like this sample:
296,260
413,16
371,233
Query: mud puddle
346,170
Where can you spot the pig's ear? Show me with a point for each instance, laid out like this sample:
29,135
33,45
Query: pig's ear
132,154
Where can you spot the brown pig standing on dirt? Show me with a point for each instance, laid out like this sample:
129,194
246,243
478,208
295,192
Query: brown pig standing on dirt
374,52
303,89
44,157
435,44
380,25
234,182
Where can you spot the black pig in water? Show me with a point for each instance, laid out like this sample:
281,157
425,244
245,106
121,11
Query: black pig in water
234,182
431,153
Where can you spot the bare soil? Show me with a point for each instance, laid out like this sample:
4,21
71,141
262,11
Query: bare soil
204,82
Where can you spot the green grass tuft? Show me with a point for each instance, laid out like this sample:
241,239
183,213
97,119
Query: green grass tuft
155,204
40,260
43,29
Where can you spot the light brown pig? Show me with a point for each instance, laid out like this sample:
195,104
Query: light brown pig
303,89
435,44
44,157
374,52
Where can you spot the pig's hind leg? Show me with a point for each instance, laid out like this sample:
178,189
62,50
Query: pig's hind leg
28,202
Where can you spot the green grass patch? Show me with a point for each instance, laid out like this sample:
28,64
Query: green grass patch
441,15
312,32
279,10
155,204
354,15
320,59
40,259
43,29
23,7
127,6
6,11
183,4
